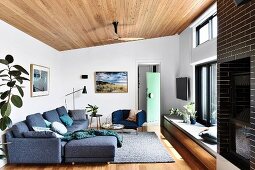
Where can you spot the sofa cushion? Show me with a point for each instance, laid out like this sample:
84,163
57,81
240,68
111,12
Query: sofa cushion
78,125
58,127
128,124
35,120
19,128
96,147
62,111
78,114
48,123
42,134
52,116
67,121
40,129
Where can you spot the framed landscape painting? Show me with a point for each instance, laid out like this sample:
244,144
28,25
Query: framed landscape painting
111,82
39,81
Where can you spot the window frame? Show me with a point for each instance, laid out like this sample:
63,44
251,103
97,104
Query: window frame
210,29
198,93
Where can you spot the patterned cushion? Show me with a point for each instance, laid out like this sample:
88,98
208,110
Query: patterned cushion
42,134
78,114
35,120
52,116
61,111
19,128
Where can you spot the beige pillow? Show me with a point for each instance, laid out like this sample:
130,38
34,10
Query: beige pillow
132,115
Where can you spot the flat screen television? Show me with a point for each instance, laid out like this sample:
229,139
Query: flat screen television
182,88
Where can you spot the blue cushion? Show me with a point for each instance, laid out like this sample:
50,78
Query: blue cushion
47,123
35,120
62,111
66,120
19,128
125,113
42,134
52,116
128,124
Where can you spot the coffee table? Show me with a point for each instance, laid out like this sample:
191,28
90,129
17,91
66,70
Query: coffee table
113,127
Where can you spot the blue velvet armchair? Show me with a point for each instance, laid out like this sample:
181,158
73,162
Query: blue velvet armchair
120,116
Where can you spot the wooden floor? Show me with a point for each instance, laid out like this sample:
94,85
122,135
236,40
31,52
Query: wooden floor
179,163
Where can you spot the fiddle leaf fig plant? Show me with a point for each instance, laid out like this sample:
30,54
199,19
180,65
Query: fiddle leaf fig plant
12,78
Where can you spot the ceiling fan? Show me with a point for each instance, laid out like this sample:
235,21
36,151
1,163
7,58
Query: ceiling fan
117,37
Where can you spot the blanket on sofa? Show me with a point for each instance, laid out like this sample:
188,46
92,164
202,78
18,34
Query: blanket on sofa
88,133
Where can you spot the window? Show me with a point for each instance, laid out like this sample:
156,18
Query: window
206,93
207,30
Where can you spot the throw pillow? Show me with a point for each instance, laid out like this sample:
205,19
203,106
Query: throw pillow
66,120
47,123
132,115
41,129
78,114
58,127
42,134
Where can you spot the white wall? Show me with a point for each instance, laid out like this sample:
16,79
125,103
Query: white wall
26,50
121,57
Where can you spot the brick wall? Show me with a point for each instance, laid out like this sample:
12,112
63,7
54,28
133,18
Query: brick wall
236,40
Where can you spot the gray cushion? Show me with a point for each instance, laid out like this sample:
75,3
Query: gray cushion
35,120
52,116
78,114
62,111
99,147
19,128
78,125
43,134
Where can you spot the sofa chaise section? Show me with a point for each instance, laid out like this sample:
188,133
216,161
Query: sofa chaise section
95,149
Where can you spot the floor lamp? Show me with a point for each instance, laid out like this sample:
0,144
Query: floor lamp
84,91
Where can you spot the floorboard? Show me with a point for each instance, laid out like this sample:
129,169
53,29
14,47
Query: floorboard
179,163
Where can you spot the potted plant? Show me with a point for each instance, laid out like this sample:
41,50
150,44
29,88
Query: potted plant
189,109
188,114
92,109
12,78
178,112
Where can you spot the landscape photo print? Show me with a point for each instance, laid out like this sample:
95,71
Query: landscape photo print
111,82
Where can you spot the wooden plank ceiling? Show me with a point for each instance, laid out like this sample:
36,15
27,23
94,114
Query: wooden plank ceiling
72,24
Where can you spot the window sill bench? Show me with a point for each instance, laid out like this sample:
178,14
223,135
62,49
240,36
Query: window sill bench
187,136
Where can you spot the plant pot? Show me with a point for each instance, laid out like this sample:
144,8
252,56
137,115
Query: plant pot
93,113
193,121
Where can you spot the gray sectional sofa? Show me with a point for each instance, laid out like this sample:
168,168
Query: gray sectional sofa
30,149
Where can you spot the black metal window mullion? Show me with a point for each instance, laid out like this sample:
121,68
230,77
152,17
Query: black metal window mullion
198,81
210,28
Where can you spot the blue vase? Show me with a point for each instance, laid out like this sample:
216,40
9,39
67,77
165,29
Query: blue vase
192,121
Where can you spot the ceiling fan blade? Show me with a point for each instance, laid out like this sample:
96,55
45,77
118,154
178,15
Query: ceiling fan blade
130,39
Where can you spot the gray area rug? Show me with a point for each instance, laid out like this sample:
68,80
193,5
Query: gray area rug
142,148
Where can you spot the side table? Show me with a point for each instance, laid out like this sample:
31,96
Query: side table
97,116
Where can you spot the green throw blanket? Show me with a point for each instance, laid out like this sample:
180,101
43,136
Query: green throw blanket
81,134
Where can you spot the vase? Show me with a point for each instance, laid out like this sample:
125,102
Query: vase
192,121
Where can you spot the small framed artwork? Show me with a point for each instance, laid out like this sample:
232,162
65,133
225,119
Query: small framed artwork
39,80
111,82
